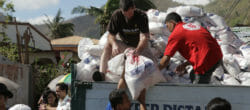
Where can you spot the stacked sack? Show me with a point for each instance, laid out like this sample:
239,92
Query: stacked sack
236,70
90,59
235,51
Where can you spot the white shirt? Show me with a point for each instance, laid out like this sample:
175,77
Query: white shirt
64,104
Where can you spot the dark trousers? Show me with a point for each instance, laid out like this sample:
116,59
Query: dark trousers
204,78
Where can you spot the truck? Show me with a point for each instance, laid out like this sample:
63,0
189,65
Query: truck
162,96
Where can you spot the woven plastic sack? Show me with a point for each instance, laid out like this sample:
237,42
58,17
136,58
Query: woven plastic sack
140,73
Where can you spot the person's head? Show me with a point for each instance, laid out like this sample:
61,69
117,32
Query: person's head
50,97
98,76
4,95
128,7
119,100
61,90
171,20
218,104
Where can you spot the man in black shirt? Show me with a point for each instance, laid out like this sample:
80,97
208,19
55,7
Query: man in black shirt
131,25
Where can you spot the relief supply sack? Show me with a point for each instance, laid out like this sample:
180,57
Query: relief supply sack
104,38
115,68
81,49
156,16
87,67
231,65
245,50
189,11
140,73
229,80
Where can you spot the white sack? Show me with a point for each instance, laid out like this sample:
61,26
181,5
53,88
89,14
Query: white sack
140,73
245,49
243,62
158,44
243,76
231,65
189,11
156,16
170,10
229,80
81,46
246,82
228,49
115,68
157,28
20,107
178,56
227,37
87,67
104,38
217,21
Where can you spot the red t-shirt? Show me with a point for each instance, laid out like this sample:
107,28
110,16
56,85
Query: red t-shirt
195,44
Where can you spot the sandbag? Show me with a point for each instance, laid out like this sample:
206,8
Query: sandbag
140,73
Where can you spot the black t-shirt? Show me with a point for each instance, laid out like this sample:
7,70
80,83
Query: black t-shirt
129,30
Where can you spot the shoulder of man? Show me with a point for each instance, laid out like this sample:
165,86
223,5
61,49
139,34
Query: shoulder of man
140,12
117,12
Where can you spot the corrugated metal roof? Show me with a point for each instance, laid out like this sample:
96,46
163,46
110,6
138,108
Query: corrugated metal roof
41,41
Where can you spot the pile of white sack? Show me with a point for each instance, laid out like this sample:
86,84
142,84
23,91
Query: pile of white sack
236,53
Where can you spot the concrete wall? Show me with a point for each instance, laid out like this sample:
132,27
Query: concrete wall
20,74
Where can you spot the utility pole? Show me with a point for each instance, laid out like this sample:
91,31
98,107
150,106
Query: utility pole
26,35
18,43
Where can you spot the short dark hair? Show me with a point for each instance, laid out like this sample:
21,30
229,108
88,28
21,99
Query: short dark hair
218,104
97,76
116,97
126,4
173,16
63,86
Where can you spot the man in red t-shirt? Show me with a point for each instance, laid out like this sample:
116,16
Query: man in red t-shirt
195,44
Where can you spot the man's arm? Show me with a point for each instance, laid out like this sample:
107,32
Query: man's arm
112,42
144,37
164,62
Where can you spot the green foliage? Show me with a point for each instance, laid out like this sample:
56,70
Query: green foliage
7,8
42,75
57,28
7,48
235,12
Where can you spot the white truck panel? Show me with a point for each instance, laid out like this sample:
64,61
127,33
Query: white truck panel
173,96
